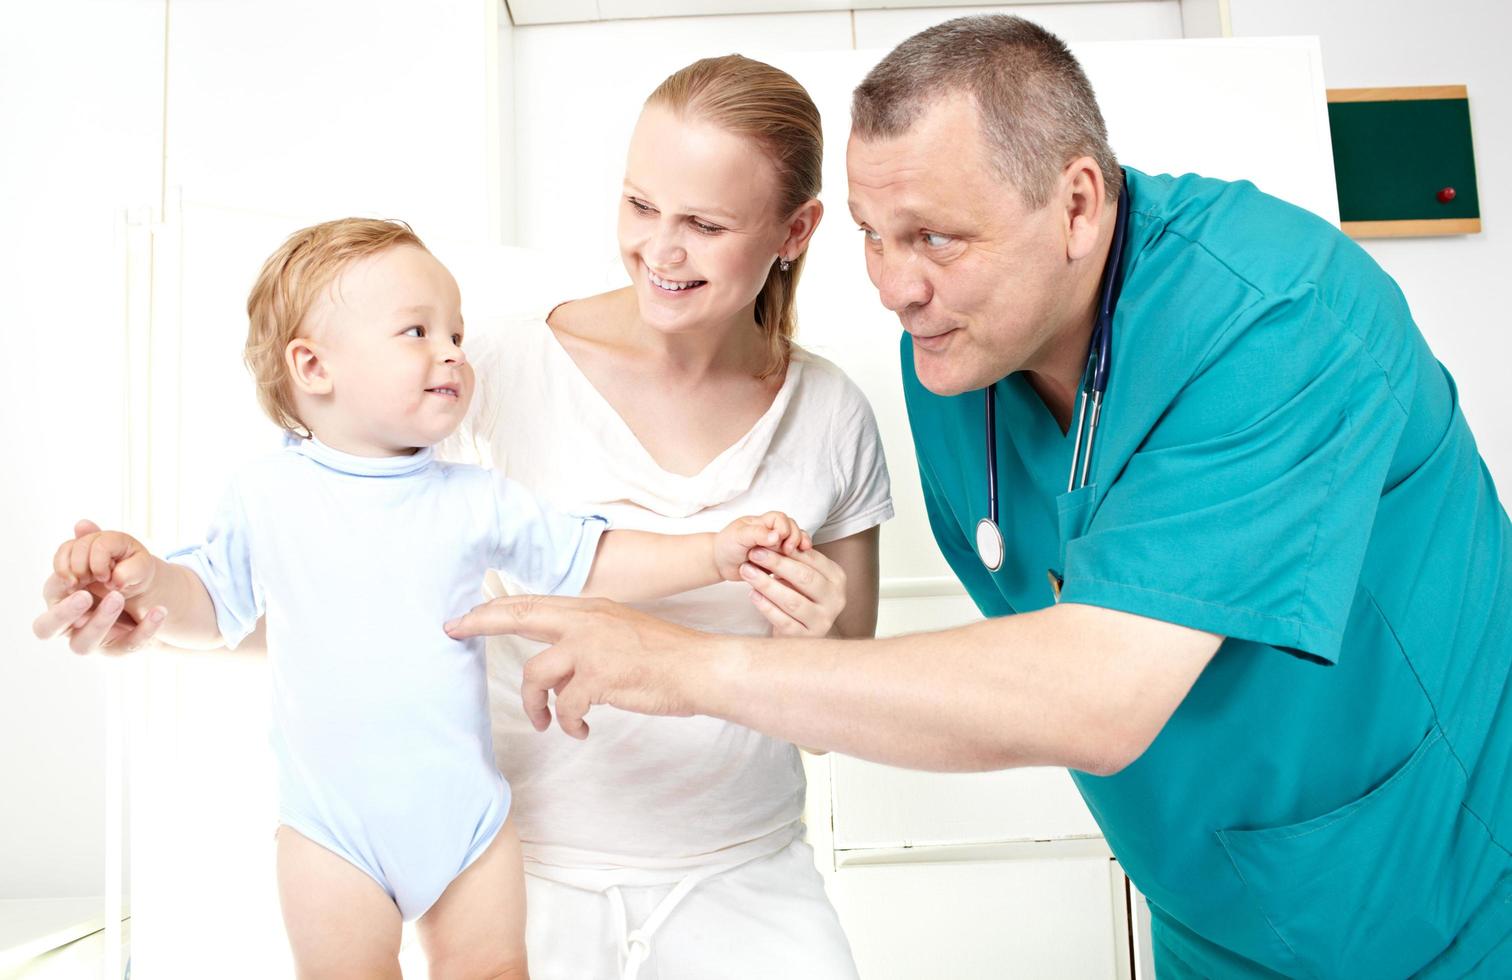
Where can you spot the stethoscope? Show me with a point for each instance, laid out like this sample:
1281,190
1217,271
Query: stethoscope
1094,384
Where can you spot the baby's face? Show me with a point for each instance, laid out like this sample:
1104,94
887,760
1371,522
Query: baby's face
390,334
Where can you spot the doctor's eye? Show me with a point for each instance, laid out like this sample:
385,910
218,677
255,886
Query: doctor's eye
872,238
936,240
641,207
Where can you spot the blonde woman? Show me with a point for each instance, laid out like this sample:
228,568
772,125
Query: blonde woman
673,846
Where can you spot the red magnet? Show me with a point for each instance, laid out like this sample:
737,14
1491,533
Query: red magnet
1446,195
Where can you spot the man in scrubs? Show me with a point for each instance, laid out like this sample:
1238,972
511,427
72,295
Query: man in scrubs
1278,665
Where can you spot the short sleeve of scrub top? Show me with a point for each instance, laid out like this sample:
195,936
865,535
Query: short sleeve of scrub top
1247,508
545,551
223,563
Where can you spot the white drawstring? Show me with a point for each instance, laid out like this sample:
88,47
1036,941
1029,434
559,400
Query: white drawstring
636,943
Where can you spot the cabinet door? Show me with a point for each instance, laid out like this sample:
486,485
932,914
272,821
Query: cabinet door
975,920
963,875
879,807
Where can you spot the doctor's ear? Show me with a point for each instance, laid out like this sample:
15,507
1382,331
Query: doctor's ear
1083,192
306,369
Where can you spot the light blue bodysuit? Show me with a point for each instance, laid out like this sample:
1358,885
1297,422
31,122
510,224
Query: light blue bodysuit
380,722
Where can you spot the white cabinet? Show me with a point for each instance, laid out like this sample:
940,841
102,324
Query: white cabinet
985,920
977,875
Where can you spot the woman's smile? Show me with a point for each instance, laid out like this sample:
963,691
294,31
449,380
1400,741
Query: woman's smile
666,285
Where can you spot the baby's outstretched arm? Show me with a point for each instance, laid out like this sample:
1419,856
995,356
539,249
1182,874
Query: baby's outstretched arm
634,565
112,563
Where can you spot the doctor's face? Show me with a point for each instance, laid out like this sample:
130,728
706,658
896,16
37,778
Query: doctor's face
979,281
698,228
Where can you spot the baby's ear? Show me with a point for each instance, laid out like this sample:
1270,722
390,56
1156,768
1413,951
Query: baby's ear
306,368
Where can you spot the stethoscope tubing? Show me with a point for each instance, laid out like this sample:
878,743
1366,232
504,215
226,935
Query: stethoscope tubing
1093,387
992,489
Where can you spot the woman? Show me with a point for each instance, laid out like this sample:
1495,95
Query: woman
668,405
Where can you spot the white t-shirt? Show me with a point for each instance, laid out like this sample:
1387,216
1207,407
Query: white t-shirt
644,799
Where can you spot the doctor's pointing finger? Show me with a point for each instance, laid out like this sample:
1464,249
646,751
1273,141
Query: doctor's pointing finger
640,675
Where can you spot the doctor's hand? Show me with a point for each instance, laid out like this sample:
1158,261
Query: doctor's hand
601,653
86,604
801,593
774,530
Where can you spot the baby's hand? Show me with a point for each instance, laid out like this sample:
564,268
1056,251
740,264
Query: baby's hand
774,530
111,560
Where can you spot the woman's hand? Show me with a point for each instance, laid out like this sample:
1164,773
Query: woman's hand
93,617
800,593
774,529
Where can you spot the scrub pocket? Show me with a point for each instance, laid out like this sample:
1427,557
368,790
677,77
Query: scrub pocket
1073,512
1378,887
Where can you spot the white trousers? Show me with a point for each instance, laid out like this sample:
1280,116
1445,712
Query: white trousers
765,919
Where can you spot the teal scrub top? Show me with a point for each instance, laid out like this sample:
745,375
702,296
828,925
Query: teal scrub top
1281,461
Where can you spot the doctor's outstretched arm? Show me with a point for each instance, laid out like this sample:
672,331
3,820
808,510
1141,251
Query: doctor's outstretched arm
1072,685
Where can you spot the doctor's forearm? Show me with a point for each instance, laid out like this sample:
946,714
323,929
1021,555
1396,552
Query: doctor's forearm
999,694
877,700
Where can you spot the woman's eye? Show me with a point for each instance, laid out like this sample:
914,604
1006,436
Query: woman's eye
640,206
415,332
705,227
934,240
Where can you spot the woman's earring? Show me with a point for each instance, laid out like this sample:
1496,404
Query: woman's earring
784,265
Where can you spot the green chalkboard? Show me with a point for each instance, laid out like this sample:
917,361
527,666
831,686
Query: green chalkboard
1393,157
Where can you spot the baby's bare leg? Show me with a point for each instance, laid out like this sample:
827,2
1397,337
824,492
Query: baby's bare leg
476,929
340,923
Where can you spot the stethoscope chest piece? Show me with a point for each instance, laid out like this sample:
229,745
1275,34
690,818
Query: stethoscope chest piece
989,544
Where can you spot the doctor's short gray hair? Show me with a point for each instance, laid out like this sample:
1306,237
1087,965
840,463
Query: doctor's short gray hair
1037,108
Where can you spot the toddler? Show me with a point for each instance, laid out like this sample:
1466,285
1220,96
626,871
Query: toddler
357,544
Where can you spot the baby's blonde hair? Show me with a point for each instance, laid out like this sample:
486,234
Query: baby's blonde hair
305,264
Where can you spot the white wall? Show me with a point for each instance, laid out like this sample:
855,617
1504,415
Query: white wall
124,396
1452,283
556,92
80,109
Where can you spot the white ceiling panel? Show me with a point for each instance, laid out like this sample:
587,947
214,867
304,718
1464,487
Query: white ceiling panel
569,11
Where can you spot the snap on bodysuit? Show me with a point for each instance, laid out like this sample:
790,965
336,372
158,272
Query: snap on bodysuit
380,723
